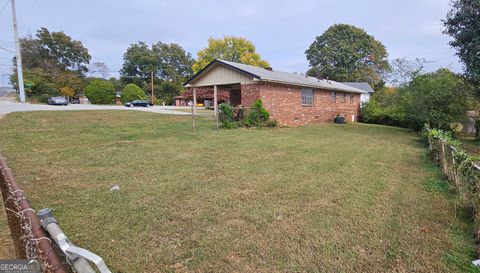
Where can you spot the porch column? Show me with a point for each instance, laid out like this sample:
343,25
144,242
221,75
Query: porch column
215,100
194,100
215,103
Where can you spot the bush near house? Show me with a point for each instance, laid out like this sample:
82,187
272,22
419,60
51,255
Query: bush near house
132,92
100,92
439,99
257,116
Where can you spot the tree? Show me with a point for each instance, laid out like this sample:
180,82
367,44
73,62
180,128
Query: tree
67,91
439,98
63,51
347,53
463,25
52,60
100,92
138,63
132,92
174,63
100,68
170,63
402,70
230,48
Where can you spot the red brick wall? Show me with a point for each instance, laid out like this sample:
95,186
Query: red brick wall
250,93
283,102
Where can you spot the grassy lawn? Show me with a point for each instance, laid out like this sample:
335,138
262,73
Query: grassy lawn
322,198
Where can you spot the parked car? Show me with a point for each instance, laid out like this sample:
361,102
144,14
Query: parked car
57,101
142,103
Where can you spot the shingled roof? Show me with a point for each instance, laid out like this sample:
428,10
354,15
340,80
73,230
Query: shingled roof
264,75
365,86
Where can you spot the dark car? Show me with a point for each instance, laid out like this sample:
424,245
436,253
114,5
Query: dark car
142,103
57,101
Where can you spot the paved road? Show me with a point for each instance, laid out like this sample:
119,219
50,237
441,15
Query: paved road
8,106
5,90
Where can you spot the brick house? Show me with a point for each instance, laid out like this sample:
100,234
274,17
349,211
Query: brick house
291,99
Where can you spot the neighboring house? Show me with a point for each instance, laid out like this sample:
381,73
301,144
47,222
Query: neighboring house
365,86
180,101
118,96
291,99
82,99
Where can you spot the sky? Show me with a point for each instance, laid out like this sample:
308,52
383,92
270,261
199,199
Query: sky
281,30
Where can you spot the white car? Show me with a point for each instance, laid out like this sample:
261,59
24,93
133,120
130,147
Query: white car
57,101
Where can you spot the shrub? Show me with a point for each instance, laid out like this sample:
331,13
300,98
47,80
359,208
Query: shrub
132,92
272,123
226,116
100,92
258,115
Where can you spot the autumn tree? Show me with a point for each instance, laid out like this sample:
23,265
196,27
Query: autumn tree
51,61
347,53
229,48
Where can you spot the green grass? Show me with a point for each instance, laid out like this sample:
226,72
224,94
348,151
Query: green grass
320,198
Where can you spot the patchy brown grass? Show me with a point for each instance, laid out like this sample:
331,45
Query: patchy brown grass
324,198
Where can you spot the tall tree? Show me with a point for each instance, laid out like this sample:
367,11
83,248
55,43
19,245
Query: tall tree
463,25
51,61
62,50
347,53
174,63
169,63
230,48
138,64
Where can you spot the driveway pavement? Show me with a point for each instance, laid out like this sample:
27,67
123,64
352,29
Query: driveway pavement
5,90
8,106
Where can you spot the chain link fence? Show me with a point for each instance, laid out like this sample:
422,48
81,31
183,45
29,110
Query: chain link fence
29,238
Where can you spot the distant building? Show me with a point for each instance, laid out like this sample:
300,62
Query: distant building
365,86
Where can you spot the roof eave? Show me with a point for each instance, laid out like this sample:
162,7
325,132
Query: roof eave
312,86
216,61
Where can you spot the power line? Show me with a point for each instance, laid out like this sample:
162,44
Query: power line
4,6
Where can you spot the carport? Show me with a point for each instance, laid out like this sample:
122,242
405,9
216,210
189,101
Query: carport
219,76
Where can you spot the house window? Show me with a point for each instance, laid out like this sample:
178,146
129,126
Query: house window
307,96
351,98
333,96
344,97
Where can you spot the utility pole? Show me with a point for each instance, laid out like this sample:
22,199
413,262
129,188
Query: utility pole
152,99
18,53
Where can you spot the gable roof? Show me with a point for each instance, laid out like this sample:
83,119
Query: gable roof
365,86
264,75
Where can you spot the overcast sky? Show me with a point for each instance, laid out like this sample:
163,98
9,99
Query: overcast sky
281,30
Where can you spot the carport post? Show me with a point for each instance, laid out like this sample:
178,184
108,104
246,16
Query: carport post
194,107
215,103
194,100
